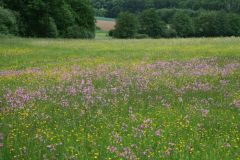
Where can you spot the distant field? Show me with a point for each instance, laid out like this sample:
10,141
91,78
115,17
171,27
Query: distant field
120,99
105,19
105,24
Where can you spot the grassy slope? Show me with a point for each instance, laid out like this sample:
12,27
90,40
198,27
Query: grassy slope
45,128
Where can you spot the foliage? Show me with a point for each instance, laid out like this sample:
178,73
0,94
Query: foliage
166,14
208,24
111,32
181,18
114,7
126,26
141,36
182,24
170,32
47,27
151,24
51,18
134,6
8,22
233,25
78,32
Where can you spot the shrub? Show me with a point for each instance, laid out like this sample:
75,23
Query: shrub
98,28
110,33
141,36
8,22
151,24
78,32
126,26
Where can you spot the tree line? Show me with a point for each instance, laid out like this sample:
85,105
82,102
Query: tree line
136,18
111,8
47,18
171,18
168,23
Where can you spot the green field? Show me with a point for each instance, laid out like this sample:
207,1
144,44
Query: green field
100,34
120,99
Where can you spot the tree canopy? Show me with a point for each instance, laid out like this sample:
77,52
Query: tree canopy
184,23
53,18
154,18
113,7
127,26
151,24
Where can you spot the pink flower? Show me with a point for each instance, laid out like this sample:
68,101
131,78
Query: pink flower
158,133
114,90
205,112
1,139
111,149
237,103
1,136
71,91
142,126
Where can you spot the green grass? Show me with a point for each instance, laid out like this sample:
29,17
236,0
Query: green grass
100,34
120,99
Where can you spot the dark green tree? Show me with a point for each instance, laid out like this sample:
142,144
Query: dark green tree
166,3
62,13
47,27
134,6
182,24
1,3
8,22
126,26
167,14
114,7
151,24
52,18
233,25
221,23
84,14
205,24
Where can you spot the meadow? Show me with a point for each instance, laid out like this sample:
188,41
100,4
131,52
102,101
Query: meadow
176,99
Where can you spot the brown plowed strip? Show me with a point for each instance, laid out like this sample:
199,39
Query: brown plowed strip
105,25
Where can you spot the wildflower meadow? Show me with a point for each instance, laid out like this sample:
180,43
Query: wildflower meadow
176,99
